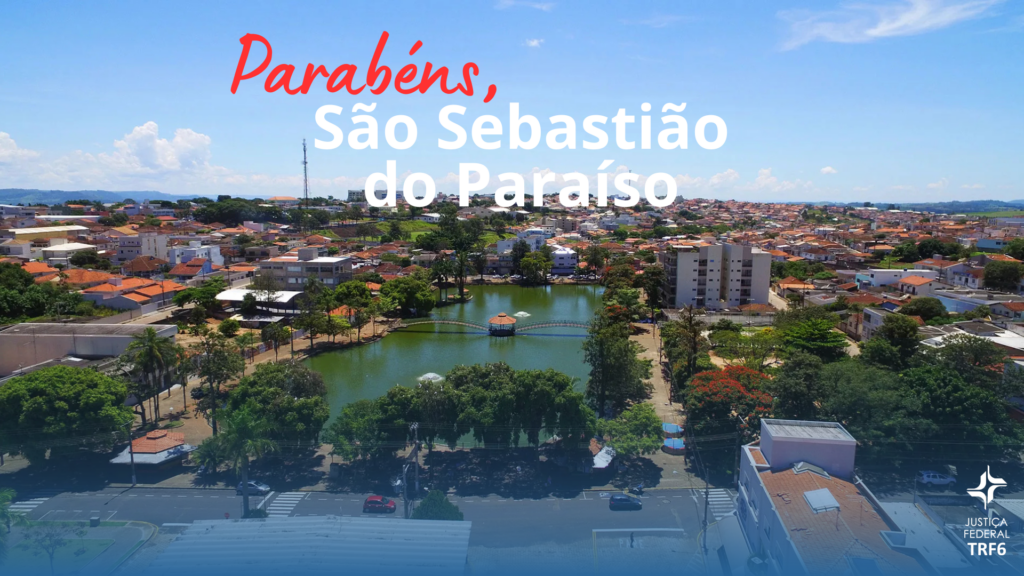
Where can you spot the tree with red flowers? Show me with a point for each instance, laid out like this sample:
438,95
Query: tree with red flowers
726,401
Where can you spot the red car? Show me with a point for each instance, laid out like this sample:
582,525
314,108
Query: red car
379,504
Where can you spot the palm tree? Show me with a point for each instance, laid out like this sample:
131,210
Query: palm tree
440,271
154,356
7,519
244,436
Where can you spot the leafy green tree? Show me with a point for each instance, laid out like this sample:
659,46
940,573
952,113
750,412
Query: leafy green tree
356,432
1015,249
8,518
250,306
229,327
971,420
289,396
353,293
617,373
880,352
1002,275
61,409
634,432
977,360
245,435
684,341
797,387
216,361
413,296
276,334
535,268
816,337
519,251
14,277
927,308
898,333
49,538
436,506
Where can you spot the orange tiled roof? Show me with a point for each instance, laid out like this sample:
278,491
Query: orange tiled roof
38,268
158,441
160,288
916,280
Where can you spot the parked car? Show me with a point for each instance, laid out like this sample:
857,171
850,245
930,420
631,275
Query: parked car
934,478
381,504
624,502
255,488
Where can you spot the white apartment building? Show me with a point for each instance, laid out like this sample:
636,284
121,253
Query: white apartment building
142,244
747,275
534,241
564,260
292,270
715,276
195,249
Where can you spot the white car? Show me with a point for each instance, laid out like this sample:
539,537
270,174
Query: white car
935,478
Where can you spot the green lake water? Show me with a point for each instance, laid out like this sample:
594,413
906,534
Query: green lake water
403,356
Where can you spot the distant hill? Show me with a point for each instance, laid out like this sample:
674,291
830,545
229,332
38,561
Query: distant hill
50,197
953,207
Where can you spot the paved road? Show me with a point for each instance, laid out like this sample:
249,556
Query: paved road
497,522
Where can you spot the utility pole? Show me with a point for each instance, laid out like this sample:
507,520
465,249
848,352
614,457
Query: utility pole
305,175
415,427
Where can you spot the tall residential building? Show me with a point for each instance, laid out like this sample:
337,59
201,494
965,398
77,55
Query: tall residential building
142,244
746,275
292,270
715,276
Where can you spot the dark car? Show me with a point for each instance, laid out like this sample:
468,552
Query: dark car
379,504
255,488
624,502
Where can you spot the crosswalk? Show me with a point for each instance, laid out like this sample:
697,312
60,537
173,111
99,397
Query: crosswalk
26,506
720,503
284,504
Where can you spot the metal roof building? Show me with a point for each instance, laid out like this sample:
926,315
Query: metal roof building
317,545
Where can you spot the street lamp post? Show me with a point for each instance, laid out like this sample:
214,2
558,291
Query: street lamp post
131,452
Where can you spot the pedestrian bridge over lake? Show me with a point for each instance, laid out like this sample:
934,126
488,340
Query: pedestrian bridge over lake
504,329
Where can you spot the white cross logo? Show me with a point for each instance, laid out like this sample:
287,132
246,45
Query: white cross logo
986,489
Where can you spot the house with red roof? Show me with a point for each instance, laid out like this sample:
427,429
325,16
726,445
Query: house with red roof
191,269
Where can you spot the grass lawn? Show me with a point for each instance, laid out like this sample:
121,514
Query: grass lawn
998,214
894,264
416,226
69,559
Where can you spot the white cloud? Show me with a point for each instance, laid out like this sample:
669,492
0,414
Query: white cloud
972,186
942,183
534,42
861,188
542,6
765,181
9,151
829,170
902,187
730,176
657,21
860,23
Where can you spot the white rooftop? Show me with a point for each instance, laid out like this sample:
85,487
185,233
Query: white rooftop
238,294
69,247
72,228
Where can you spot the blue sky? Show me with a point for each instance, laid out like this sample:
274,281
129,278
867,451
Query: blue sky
891,100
